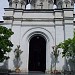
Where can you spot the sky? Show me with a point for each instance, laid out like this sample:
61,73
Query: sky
4,4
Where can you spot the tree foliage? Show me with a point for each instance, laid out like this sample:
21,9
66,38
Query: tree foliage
68,47
5,43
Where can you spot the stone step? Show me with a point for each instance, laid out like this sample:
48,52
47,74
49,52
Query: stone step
29,73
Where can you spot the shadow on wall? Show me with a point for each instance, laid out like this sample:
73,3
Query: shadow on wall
17,63
4,65
53,62
69,64
17,60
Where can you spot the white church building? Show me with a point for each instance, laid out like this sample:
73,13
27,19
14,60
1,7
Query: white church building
37,30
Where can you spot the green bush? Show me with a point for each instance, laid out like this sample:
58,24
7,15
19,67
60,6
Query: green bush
68,47
5,43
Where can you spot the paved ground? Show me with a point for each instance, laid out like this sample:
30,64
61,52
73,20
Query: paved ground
40,73
31,73
28,74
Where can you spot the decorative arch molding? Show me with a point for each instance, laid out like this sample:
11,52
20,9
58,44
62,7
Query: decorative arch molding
38,30
50,1
37,33
25,44
42,0
23,1
15,1
67,1
32,1
59,4
72,2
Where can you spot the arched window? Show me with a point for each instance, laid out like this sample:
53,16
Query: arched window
55,2
59,4
16,5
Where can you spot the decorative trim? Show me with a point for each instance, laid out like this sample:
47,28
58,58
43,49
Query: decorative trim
38,11
68,23
8,17
58,19
33,25
9,9
68,18
68,9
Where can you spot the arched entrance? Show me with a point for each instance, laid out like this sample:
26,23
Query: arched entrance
37,53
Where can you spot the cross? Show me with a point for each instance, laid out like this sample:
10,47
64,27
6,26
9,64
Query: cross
41,4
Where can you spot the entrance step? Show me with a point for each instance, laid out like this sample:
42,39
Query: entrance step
36,72
30,73
17,73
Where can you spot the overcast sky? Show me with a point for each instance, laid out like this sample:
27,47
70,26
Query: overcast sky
3,4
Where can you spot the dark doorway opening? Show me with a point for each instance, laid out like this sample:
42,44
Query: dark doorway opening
37,54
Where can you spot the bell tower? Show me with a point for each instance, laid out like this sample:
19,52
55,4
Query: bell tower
41,4
68,3
64,3
18,4
48,4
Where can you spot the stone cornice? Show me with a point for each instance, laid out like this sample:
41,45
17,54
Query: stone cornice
68,18
39,10
68,9
58,19
8,17
9,9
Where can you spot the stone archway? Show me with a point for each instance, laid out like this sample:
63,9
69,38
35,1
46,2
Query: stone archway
37,53
45,34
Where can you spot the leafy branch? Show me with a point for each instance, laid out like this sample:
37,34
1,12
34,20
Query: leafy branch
5,43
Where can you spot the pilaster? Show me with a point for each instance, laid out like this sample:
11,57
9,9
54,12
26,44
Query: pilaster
68,22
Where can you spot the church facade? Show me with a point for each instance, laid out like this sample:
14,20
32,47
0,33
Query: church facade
37,30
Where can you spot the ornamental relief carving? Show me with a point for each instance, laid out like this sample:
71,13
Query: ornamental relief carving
43,4
51,1
67,1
